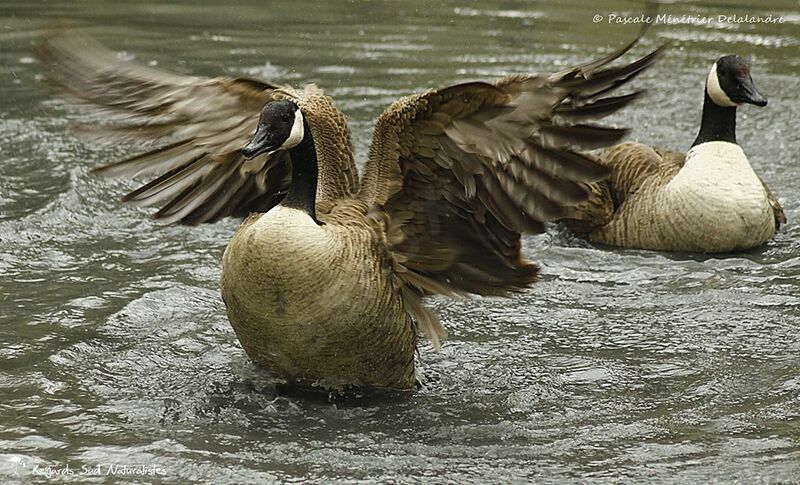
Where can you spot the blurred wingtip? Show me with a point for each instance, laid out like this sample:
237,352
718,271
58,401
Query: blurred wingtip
586,70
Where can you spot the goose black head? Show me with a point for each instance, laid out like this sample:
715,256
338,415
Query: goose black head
280,127
729,83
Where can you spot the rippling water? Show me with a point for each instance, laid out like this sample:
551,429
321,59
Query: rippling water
619,365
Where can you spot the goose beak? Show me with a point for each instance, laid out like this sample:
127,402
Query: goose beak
259,144
749,94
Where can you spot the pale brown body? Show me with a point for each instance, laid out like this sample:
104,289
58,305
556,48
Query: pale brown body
288,282
710,202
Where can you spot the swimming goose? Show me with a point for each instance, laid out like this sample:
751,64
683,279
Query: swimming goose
709,200
324,281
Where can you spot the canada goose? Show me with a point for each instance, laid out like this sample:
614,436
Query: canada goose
709,200
324,281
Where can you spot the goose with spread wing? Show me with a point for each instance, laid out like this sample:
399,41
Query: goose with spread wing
325,279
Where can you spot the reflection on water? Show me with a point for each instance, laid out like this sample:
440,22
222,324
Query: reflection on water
115,347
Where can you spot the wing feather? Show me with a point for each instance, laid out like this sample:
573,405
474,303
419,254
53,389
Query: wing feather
202,124
461,172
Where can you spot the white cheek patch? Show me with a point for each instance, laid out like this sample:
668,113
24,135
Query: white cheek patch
715,91
297,133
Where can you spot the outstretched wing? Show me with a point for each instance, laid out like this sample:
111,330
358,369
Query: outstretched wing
201,174
462,171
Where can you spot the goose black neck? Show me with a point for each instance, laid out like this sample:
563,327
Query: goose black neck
718,124
303,191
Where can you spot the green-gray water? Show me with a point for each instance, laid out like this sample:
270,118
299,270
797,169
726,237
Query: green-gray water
620,365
